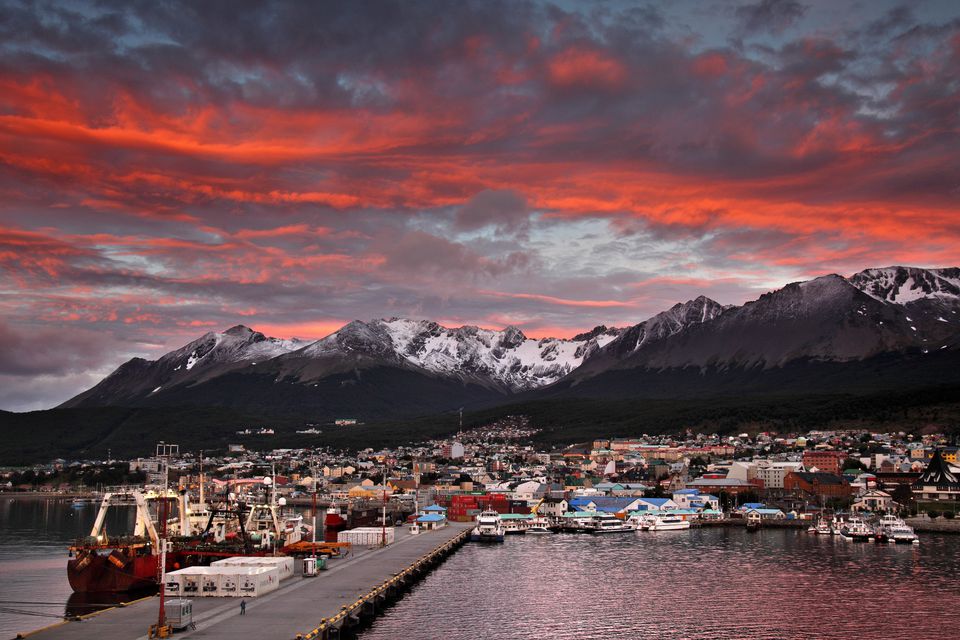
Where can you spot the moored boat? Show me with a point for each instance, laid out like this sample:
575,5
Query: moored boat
894,530
856,530
664,522
489,528
608,523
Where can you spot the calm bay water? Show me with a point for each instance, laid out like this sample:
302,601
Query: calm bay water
709,583
34,536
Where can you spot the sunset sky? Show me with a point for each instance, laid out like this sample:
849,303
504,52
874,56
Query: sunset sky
168,169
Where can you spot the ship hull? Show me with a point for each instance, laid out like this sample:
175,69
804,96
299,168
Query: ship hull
111,573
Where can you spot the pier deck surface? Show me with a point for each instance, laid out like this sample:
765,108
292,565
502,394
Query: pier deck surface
296,607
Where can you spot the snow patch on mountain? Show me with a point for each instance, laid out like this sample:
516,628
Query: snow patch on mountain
903,285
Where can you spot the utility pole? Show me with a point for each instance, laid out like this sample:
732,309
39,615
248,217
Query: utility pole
383,512
164,452
313,469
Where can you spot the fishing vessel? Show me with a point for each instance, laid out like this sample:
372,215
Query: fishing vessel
191,534
104,563
822,528
894,530
489,528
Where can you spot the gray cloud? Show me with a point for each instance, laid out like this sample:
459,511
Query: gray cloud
54,351
769,16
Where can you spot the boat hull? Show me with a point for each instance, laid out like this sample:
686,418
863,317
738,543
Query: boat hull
485,537
112,573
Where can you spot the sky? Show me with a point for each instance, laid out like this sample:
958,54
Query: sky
168,169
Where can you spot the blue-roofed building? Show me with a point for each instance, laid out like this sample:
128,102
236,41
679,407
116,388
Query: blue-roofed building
656,504
693,499
605,504
430,521
433,508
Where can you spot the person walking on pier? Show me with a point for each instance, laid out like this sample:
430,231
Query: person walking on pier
243,607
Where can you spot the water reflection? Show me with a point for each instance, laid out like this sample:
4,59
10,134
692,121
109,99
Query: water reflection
710,583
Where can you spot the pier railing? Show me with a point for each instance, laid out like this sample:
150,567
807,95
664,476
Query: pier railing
349,615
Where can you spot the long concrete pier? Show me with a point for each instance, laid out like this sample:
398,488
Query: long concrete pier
348,593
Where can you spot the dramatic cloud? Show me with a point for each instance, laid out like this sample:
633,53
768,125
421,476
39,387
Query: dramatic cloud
168,168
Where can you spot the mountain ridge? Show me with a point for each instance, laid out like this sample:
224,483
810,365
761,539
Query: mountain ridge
830,319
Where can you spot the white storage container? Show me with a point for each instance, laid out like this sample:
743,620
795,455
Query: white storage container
256,581
222,580
284,564
366,536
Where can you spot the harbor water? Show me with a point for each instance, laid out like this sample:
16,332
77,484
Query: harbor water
34,536
708,583
703,583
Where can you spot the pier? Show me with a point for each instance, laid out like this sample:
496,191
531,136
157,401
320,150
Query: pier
349,593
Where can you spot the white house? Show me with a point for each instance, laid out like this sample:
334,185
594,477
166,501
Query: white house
875,500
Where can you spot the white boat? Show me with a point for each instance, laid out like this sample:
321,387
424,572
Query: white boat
539,527
515,526
665,522
835,525
893,529
489,528
607,523
822,528
856,530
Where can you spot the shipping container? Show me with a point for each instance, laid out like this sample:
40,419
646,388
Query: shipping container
284,564
222,581
366,536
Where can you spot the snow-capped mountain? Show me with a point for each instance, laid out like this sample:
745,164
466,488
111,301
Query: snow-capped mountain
400,366
210,355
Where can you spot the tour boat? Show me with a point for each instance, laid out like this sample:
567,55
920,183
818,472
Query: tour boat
665,522
856,530
514,526
893,529
606,523
539,527
489,528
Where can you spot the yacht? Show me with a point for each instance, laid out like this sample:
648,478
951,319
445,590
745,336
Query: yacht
489,528
665,522
856,530
893,529
607,523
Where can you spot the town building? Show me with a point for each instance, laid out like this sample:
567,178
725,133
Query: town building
938,481
827,461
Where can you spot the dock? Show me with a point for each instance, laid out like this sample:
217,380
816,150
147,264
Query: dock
349,593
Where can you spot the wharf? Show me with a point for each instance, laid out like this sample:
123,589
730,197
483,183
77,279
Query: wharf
351,588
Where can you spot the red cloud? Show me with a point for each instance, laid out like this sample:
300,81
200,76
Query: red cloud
586,68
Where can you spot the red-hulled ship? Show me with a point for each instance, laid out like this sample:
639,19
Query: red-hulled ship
101,563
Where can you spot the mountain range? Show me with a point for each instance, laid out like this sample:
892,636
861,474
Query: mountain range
888,328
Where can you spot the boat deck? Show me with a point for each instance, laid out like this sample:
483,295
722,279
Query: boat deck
296,608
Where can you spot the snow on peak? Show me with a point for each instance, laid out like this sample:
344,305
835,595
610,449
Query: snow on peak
902,285
237,344
508,357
